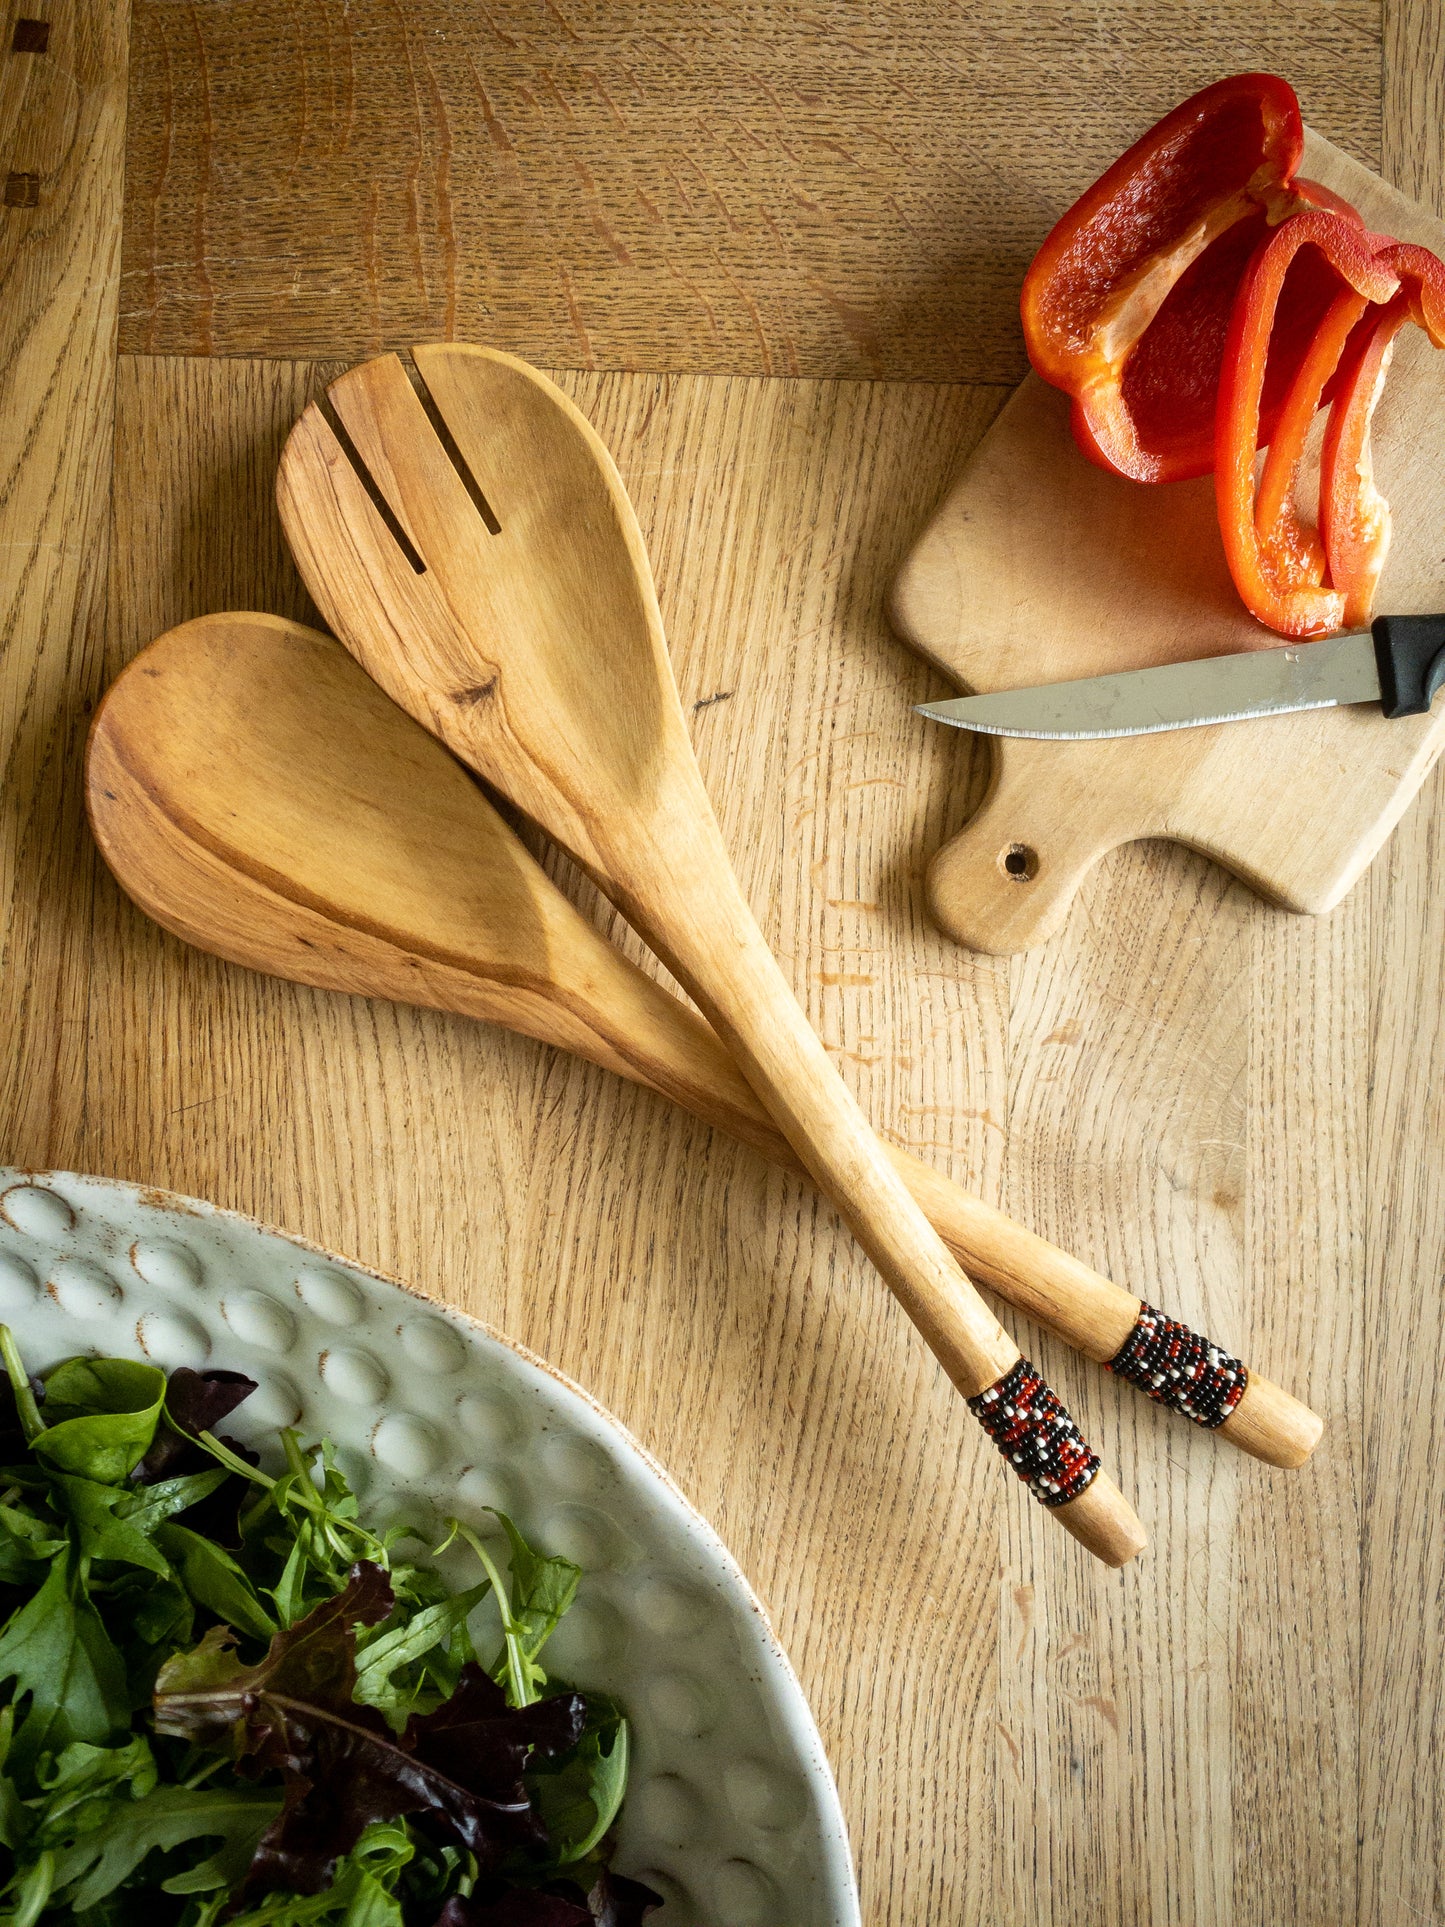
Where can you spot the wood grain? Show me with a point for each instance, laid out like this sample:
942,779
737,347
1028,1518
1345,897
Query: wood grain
1164,1089
836,189
1399,1023
62,123
1297,805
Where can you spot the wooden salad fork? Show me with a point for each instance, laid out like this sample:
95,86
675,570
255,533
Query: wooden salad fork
507,603
257,794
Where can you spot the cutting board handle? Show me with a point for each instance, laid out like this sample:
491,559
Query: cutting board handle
1007,879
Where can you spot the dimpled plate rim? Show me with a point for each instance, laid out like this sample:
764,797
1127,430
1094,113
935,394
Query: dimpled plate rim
732,1812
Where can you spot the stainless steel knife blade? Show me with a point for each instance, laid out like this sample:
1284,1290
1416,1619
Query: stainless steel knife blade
1178,695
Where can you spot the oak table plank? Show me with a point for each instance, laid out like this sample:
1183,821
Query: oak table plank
852,188
62,134
1399,1009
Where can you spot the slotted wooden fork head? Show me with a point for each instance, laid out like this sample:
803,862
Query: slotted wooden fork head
506,552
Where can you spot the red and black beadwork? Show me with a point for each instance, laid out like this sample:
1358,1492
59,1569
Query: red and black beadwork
1180,1368
1029,1425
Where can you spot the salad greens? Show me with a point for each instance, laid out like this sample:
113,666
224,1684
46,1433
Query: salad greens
224,1699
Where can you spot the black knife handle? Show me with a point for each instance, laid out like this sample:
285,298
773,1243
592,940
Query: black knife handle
1411,653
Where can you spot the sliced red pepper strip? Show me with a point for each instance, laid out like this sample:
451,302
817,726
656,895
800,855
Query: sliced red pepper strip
1126,305
1354,516
1277,562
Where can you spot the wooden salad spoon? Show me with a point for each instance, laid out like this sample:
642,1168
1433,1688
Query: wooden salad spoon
257,794
506,601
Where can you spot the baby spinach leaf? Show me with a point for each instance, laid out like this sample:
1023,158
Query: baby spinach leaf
101,1415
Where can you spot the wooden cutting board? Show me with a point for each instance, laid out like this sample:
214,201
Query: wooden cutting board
1039,567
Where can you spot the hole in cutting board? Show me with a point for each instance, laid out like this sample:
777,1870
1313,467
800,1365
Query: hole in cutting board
1018,862
22,190
30,37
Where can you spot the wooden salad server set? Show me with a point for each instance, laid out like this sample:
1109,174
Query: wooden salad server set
256,793
476,552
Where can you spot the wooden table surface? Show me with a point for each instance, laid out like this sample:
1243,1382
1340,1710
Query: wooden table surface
776,252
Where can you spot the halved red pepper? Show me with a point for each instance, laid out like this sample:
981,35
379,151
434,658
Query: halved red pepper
1278,561
1126,305
1354,516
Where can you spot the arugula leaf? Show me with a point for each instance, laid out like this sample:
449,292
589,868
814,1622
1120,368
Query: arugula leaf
14,1820
581,1799
412,1644
102,1531
81,1781
26,1539
213,1579
543,1588
362,1894
121,1517
96,1862
20,1418
58,1652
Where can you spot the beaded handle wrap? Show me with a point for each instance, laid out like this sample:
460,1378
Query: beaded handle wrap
1180,1368
1028,1424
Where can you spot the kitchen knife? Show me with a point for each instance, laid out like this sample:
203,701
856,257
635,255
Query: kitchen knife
1399,662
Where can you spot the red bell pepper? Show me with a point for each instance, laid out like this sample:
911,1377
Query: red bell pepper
1278,561
1126,305
1354,516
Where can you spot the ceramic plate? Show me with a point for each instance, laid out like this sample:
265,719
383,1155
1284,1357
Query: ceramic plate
732,1812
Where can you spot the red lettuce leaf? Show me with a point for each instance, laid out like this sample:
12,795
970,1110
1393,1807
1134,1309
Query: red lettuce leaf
613,1902
195,1402
459,1769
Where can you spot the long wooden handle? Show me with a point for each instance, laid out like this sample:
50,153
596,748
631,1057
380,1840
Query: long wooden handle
642,1031
706,932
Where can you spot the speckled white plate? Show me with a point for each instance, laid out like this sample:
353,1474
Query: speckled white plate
732,1812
